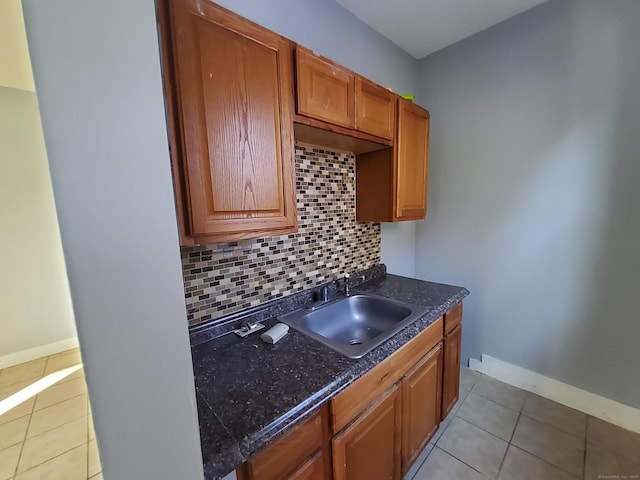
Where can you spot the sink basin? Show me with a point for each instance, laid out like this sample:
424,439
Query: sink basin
356,324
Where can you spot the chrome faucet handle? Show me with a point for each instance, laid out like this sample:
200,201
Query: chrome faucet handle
346,284
325,293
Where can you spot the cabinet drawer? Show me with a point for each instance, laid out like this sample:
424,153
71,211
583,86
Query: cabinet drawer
346,405
279,459
453,318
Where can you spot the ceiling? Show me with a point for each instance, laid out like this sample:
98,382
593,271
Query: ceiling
421,27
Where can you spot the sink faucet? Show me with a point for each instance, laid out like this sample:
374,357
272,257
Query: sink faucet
346,284
324,293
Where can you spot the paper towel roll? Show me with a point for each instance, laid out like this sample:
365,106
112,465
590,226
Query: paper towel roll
275,333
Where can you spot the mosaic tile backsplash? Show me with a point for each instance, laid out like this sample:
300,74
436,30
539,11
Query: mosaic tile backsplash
224,278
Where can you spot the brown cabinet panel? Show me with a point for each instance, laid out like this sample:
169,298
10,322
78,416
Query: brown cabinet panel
374,186
282,457
233,84
453,318
326,91
412,160
370,447
421,403
375,109
451,375
348,403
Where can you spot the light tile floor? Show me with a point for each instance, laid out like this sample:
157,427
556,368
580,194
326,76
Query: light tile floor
495,432
50,436
500,432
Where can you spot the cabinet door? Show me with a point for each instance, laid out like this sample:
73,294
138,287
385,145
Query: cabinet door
412,161
451,375
234,84
375,109
421,403
370,447
325,90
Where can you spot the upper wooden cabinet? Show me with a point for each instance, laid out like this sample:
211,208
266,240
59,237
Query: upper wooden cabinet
229,84
412,162
391,184
331,93
326,91
375,109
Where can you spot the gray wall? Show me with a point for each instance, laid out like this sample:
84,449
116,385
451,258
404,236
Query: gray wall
535,190
334,32
97,73
35,304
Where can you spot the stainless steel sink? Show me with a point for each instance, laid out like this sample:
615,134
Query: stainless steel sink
356,324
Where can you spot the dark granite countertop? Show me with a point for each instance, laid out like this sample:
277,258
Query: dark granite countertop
249,392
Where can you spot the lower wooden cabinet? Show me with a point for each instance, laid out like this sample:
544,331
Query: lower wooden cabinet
377,426
370,447
451,374
421,400
299,454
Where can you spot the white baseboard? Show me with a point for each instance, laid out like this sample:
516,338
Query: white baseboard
37,352
576,398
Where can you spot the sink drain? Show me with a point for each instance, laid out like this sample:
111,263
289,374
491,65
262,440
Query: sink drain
355,342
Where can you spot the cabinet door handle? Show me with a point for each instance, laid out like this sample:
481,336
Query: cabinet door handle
383,377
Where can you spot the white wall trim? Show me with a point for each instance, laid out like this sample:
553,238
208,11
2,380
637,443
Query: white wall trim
590,403
37,352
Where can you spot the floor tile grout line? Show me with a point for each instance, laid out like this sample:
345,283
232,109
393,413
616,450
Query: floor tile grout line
490,399
571,474
26,432
554,427
608,447
531,453
509,443
513,432
57,403
493,401
25,439
531,394
486,431
70,377
52,458
458,459
57,426
544,461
